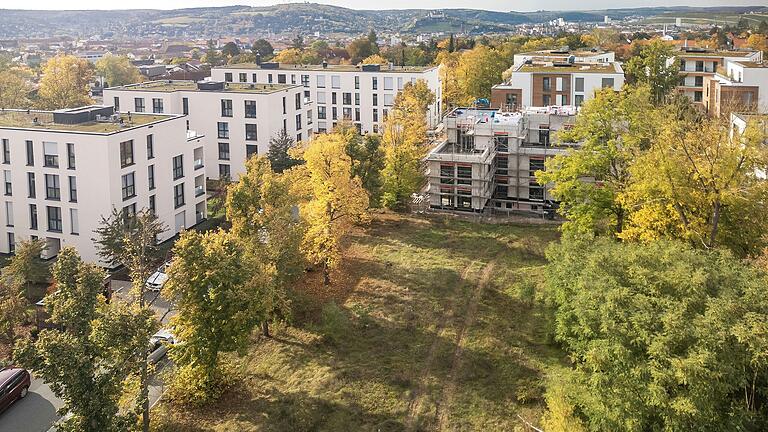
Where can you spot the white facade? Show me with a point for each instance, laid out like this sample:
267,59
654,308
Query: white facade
238,120
697,63
61,179
579,56
362,94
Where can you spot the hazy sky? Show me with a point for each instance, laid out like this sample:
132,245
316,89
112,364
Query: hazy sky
501,5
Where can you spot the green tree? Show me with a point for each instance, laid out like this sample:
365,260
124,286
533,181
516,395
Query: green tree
26,267
117,71
367,156
662,337
230,49
212,56
64,83
263,48
478,70
207,281
89,356
361,48
655,68
278,154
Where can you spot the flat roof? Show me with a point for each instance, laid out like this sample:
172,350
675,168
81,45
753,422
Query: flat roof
715,53
566,53
748,64
168,86
330,68
22,119
570,68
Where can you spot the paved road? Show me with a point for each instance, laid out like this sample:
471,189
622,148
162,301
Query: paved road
37,412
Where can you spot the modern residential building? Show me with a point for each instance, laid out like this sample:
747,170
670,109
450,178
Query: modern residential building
737,85
560,83
488,159
65,170
238,119
362,94
696,64
563,55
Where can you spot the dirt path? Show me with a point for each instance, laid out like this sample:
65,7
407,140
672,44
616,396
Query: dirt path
449,390
419,395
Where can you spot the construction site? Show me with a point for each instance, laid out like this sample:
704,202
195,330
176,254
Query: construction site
487,159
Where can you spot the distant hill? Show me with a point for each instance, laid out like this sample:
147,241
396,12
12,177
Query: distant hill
301,17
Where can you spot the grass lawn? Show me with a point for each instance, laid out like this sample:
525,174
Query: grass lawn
436,330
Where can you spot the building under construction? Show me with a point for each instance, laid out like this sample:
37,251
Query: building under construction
487,160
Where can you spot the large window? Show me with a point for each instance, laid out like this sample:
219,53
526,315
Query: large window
51,154
151,177
129,186
54,219
178,195
138,105
224,171
607,82
250,109
226,107
178,167
346,98
150,146
335,81
250,150
224,151
126,153
70,156
223,130
321,113
33,216
298,101
546,84
30,153
72,189
250,132
8,184
579,85
157,106
298,122
388,83
31,186
321,81
228,76
6,151
52,187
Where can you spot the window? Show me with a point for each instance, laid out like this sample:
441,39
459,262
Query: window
536,192
157,105
564,99
298,100
185,106
129,186
129,212
224,172
335,81
309,117
699,66
54,219
74,223
546,83
399,83
138,105
298,122
178,167
535,165
697,96
357,98
126,153
224,151
178,195
464,173
375,83
72,189
151,177
51,154
334,113
607,82
250,150
116,103
298,138
33,216
8,213
52,189
579,85
357,114
243,77
502,166
250,132
389,100
152,205
698,81
388,83
546,100
375,99
8,185
304,80
346,98
31,189
198,158
11,243
250,109
321,97
375,115
578,100
6,151
321,81
333,98
321,113
544,137
70,156
346,113
226,107
269,78
224,130
228,76
357,82
284,106
199,185
30,153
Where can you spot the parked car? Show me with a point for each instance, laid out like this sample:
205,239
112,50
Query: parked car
158,278
14,385
158,345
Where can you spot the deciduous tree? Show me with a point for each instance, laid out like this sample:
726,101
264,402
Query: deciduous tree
26,267
656,68
15,87
118,70
64,83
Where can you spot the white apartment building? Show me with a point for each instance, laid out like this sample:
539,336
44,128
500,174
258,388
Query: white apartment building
535,83
697,64
564,54
238,119
488,159
362,94
65,170
738,85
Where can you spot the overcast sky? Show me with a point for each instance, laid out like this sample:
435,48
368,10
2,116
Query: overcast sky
500,5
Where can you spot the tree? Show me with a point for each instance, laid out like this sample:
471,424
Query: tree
338,200
289,56
361,48
15,87
298,42
612,127
652,67
64,83
118,70
278,154
263,48
90,354
262,209
212,56
758,42
478,70
662,337
207,280
367,158
230,49
375,59
26,267
131,241
404,139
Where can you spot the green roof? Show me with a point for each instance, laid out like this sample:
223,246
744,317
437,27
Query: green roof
573,68
330,68
166,86
26,120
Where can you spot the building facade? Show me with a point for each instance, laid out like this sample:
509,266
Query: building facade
362,94
564,54
739,86
238,119
698,64
65,170
488,159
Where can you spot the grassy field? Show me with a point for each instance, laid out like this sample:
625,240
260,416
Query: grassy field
435,329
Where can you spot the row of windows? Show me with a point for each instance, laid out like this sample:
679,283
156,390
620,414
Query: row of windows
53,218
347,113
320,80
50,153
251,131
127,157
139,107
52,186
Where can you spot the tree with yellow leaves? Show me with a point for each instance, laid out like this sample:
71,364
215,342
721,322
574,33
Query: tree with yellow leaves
758,42
478,70
375,59
118,70
65,83
15,87
338,200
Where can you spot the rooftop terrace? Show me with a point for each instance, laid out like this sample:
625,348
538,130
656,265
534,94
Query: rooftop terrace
167,86
43,120
570,67
330,67
710,53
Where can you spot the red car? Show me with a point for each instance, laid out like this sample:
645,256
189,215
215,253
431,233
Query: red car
14,385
